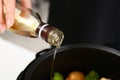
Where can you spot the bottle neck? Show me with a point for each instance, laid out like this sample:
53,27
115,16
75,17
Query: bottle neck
50,34
43,31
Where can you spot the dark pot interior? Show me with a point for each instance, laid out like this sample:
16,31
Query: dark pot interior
81,57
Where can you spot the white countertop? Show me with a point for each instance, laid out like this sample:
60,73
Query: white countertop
16,52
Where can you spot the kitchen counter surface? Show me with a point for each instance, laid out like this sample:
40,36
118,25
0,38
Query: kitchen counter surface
16,52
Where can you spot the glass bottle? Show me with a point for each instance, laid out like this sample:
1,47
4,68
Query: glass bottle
33,26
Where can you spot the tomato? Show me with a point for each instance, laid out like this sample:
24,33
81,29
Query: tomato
75,75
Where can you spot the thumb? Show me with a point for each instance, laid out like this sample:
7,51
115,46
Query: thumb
26,4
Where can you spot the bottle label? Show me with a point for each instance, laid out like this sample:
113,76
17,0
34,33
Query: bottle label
41,28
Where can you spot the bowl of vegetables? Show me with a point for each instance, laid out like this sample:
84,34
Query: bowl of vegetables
75,62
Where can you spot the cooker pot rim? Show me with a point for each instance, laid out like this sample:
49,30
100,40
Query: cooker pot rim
28,70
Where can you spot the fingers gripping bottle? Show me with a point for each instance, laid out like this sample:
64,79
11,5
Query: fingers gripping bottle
32,26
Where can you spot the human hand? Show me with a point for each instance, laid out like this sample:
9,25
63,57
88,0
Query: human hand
7,19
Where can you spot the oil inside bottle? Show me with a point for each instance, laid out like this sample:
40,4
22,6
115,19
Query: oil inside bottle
24,26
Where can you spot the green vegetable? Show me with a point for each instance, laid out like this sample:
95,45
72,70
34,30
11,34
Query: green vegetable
58,76
92,75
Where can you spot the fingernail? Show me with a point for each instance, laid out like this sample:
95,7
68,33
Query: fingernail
1,28
9,23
